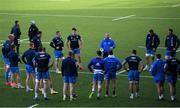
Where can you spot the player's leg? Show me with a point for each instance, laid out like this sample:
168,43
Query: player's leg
37,80
65,86
7,69
72,81
172,86
99,89
52,91
113,77
27,82
137,78
162,89
107,84
94,82
131,89
77,54
45,88
56,65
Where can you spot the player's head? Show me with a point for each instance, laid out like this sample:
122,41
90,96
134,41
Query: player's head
16,22
42,49
170,31
11,37
107,35
13,47
31,45
110,52
71,54
99,53
33,22
158,56
58,33
134,52
151,32
74,31
39,34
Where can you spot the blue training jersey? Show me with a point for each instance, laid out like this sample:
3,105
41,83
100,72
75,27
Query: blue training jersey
13,58
157,69
37,42
152,41
28,56
112,64
57,43
6,48
171,42
133,62
98,65
106,44
42,61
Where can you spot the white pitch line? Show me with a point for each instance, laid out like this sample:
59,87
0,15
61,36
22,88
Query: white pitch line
32,106
178,51
123,71
176,5
125,17
20,41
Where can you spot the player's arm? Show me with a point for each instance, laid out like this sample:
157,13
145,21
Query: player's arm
68,43
101,46
23,58
113,45
119,65
124,65
141,65
80,42
158,41
89,66
153,69
51,62
166,67
166,42
178,43
52,44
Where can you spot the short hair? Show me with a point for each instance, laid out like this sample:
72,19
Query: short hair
41,48
16,21
172,54
110,52
57,32
171,30
74,29
151,31
99,53
134,51
70,53
158,56
12,47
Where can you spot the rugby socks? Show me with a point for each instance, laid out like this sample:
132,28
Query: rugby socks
7,76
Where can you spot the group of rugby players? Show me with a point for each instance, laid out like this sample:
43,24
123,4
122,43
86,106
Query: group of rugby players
38,61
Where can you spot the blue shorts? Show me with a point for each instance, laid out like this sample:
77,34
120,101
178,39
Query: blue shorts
133,75
76,51
159,81
110,76
168,53
14,69
42,75
172,79
29,69
150,53
58,54
5,60
98,77
69,79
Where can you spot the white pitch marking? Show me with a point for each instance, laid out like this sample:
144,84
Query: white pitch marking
125,17
145,47
176,5
32,106
178,51
123,71
20,41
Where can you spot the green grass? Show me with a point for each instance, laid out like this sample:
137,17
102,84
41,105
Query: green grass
128,34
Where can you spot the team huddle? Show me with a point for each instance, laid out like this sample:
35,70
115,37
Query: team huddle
104,66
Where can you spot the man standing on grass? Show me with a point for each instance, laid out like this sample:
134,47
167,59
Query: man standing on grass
58,45
17,34
157,71
33,30
135,66
171,68
37,40
111,66
43,62
14,68
69,69
171,43
152,42
74,44
6,48
98,77
106,45
27,58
